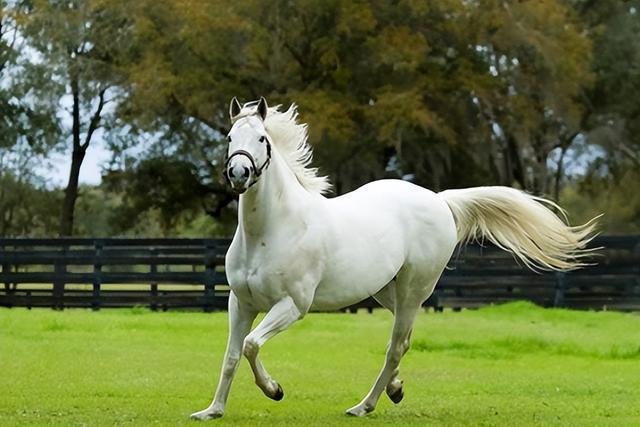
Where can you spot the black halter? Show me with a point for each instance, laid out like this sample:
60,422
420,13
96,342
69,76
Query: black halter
257,171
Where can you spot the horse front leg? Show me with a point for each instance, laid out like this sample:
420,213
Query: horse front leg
278,318
240,320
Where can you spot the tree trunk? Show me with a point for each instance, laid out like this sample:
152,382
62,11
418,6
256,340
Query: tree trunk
540,176
513,163
79,151
559,174
71,193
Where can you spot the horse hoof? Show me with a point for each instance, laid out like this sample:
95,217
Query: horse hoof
278,395
396,397
358,411
205,415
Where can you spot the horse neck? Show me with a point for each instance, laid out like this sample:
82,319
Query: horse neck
271,200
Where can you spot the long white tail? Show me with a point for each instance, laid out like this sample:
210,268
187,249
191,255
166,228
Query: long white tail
521,224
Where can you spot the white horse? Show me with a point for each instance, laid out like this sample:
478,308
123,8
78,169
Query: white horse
295,250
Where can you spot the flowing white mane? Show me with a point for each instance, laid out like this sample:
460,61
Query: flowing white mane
290,139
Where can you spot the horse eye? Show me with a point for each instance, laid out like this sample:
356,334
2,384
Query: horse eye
229,138
261,139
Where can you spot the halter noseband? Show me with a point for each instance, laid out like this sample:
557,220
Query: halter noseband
257,171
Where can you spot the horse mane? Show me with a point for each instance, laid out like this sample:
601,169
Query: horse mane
290,139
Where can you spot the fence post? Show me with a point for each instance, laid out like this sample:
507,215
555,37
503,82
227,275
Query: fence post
209,275
97,276
6,268
561,284
60,268
154,286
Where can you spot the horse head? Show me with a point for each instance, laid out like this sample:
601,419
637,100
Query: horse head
249,150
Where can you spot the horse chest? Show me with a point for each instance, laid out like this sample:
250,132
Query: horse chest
256,280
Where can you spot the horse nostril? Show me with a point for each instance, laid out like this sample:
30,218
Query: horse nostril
246,172
231,175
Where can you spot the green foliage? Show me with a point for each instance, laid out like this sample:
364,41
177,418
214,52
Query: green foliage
25,209
28,132
615,99
451,93
168,189
27,113
514,364
81,45
375,81
617,200
106,211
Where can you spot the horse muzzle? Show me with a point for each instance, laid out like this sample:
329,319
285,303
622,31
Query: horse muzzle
239,177
241,170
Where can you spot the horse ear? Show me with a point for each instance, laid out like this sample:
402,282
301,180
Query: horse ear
234,108
262,108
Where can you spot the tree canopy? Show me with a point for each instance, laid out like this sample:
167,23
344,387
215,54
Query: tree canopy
538,95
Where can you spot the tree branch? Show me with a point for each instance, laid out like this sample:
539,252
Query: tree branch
297,56
75,92
564,143
95,120
212,124
630,153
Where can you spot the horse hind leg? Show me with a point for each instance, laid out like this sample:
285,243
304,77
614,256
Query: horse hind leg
386,297
404,317
394,389
411,289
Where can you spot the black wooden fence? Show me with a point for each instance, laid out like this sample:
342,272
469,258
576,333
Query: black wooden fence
189,273
158,273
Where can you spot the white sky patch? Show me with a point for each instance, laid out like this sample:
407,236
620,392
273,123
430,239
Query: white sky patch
96,157
578,157
91,170
497,130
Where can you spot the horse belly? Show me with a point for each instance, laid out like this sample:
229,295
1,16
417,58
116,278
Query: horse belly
329,297
375,231
356,272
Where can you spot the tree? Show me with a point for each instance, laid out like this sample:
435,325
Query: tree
28,130
418,86
607,181
447,93
614,102
81,42
168,189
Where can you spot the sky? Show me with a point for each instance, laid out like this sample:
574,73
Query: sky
57,173
90,172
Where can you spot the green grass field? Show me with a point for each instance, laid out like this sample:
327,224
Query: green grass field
515,364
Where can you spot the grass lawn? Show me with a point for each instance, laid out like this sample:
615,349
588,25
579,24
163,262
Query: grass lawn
509,365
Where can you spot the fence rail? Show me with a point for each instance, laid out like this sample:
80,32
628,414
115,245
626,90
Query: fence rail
189,274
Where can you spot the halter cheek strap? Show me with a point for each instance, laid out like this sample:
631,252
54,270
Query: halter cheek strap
257,171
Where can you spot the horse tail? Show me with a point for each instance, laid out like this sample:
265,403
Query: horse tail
521,224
